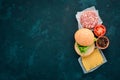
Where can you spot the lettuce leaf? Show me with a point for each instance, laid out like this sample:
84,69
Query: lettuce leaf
95,39
82,49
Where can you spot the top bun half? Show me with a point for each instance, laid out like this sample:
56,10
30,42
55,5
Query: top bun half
84,37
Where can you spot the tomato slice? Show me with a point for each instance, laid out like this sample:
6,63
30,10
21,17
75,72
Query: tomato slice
99,30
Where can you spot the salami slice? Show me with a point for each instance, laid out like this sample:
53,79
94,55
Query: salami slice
89,19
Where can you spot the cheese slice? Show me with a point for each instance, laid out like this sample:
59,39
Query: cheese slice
93,60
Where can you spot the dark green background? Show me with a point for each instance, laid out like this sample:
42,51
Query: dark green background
37,39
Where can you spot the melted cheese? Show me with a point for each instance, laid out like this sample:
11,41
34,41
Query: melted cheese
93,60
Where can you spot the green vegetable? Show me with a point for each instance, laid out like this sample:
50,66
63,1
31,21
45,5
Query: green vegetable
82,49
95,39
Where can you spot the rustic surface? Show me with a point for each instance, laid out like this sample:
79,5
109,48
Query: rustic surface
37,39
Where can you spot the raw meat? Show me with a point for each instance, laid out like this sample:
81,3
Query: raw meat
89,19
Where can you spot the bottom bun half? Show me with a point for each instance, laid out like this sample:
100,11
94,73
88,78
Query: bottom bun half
87,53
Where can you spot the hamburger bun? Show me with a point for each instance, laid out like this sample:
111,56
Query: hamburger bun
87,53
84,37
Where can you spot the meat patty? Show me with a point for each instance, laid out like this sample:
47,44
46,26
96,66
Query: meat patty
89,19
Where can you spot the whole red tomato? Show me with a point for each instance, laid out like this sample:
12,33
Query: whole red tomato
99,30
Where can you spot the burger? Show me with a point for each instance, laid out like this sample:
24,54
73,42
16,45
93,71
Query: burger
84,42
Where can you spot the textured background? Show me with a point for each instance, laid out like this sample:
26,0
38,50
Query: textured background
37,38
